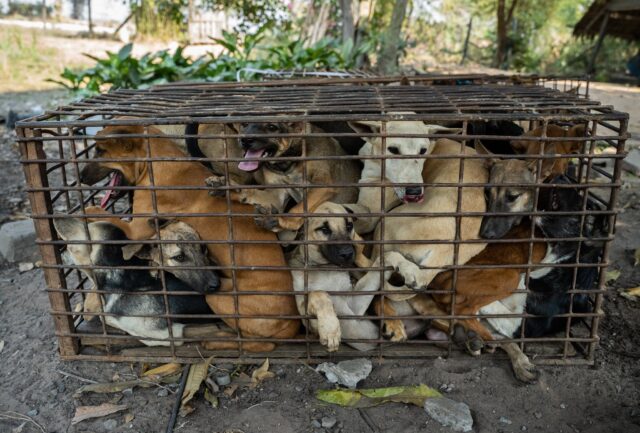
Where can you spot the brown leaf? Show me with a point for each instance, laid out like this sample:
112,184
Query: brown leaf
261,373
128,417
197,374
230,390
636,257
162,371
632,294
87,412
211,398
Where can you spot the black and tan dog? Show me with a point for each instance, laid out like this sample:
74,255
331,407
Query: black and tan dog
128,308
290,172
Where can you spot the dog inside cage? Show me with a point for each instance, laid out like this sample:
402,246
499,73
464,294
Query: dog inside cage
326,220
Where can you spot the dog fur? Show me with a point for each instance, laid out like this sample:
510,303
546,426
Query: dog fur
318,171
127,310
324,278
177,174
397,170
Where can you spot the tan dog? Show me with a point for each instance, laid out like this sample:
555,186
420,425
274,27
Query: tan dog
397,170
318,171
338,251
418,264
190,174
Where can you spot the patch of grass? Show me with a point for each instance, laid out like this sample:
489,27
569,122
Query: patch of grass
26,61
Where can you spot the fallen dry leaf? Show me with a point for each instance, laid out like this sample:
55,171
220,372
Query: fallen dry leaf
636,256
162,371
261,373
372,397
612,275
197,374
230,390
128,417
211,398
87,412
102,388
1,345
631,294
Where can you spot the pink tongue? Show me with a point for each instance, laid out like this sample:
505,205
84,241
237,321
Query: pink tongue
115,181
251,165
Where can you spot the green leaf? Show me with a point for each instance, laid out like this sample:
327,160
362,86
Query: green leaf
372,397
125,51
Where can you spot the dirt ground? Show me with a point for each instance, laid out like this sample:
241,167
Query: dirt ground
604,398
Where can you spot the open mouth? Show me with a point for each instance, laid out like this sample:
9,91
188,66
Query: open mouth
413,198
252,158
114,181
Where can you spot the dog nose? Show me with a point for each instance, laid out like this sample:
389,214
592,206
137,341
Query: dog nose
246,143
346,253
413,190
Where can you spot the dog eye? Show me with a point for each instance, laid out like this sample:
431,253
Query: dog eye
324,230
423,151
272,127
178,257
394,150
511,197
349,226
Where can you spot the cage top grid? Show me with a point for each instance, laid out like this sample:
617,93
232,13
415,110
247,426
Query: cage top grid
181,104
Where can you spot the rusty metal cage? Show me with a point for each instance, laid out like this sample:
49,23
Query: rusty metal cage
57,146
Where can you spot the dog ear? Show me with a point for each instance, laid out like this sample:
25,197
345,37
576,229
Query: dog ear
366,126
162,222
129,143
70,229
234,127
431,129
481,150
548,165
142,251
350,211
579,130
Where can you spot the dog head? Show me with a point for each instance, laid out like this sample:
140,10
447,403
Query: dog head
401,170
508,196
255,148
122,173
112,255
181,254
560,165
337,232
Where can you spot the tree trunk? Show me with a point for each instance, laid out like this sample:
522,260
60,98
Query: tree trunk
388,57
465,48
348,28
90,17
503,20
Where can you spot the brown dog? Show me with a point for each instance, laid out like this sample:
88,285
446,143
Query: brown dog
314,171
188,174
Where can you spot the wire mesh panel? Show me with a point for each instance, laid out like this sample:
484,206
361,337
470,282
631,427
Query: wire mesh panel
322,221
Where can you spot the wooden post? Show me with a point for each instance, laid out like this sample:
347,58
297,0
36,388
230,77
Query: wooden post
36,176
465,49
44,13
591,69
90,17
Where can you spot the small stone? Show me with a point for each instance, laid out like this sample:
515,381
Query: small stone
163,392
18,242
449,413
523,428
537,414
25,267
60,387
128,391
346,373
110,424
563,406
504,420
33,412
298,389
316,423
223,379
328,421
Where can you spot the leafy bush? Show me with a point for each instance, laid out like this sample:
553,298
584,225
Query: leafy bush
237,61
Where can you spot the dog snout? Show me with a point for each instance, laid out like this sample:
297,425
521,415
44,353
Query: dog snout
213,283
339,254
93,172
413,190
495,227
346,253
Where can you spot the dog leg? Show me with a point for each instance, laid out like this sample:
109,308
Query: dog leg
524,370
316,197
321,306
254,196
405,268
393,328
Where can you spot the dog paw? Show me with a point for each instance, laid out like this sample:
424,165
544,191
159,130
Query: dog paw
266,219
525,371
395,330
469,339
330,334
215,182
404,271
